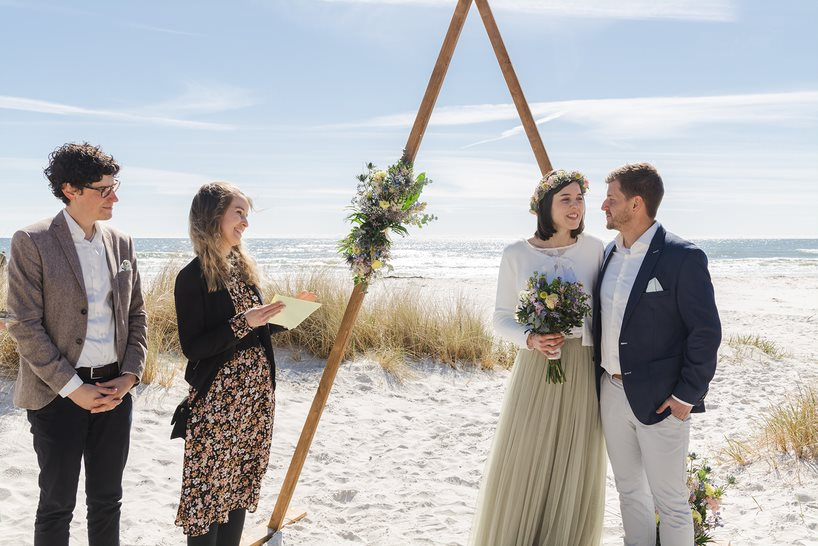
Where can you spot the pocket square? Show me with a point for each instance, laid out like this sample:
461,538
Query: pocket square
654,286
125,265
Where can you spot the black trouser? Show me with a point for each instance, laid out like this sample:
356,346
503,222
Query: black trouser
224,534
64,435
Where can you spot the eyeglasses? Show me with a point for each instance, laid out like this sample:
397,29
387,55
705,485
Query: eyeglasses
105,191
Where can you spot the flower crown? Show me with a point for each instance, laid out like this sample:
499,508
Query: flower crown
556,179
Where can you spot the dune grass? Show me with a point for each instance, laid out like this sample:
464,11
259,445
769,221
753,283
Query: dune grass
392,320
394,327
9,359
770,348
163,360
790,428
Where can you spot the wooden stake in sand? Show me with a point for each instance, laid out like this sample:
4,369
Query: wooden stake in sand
279,517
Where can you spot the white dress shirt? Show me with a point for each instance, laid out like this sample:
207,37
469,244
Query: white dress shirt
617,284
577,262
99,348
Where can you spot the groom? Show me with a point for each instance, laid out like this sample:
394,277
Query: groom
656,335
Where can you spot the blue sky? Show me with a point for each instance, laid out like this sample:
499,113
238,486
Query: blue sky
289,100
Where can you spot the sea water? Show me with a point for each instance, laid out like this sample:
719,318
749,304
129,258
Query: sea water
471,259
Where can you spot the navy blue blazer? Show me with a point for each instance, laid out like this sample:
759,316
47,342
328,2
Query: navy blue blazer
669,340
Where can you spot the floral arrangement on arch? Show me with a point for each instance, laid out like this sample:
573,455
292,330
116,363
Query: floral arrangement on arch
386,200
705,501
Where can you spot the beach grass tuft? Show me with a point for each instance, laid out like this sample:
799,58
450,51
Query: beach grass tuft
391,320
792,427
789,428
163,360
394,362
9,359
766,346
741,453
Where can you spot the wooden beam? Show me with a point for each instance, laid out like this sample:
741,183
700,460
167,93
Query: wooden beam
317,408
436,80
514,86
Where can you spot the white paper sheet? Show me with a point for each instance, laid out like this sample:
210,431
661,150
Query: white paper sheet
294,313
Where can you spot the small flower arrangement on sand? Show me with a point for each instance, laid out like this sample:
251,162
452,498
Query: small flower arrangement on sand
705,501
555,306
387,200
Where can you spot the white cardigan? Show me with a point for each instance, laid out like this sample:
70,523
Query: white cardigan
580,261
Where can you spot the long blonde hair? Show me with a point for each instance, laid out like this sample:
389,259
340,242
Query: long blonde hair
206,213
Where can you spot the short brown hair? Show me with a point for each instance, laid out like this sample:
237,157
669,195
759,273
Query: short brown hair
640,179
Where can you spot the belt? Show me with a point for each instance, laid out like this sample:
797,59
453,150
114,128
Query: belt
248,341
98,373
617,376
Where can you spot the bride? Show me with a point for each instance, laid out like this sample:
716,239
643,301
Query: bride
545,475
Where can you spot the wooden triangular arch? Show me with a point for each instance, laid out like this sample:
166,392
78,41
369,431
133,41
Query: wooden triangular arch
442,66
278,518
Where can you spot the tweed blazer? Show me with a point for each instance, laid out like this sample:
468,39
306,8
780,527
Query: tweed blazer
47,294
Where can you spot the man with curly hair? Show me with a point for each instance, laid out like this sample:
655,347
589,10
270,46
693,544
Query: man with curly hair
80,328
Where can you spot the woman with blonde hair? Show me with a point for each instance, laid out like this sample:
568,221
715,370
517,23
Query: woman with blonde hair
225,336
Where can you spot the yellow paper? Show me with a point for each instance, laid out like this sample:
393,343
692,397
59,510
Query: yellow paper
294,313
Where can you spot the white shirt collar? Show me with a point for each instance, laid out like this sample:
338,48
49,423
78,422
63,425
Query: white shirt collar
641,245
77,233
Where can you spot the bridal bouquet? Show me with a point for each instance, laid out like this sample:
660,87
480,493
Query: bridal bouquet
550,307
386,201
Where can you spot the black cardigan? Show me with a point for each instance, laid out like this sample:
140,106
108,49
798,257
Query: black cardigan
205,333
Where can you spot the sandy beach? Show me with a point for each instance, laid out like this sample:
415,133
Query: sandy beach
399,462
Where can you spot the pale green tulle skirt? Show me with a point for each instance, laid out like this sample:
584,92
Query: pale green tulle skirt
544,482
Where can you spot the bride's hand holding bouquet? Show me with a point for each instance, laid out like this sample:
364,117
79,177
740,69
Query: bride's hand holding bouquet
547,344
551,309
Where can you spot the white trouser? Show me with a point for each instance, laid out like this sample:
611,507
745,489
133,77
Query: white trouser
649,464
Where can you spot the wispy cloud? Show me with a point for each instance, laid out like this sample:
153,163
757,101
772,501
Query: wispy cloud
23,104
71,10
696,10
162,30
631,118
479,178
163,182
203,98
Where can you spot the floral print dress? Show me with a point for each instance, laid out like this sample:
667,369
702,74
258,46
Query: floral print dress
229,432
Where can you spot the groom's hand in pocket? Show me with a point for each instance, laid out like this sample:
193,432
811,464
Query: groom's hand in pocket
677,409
